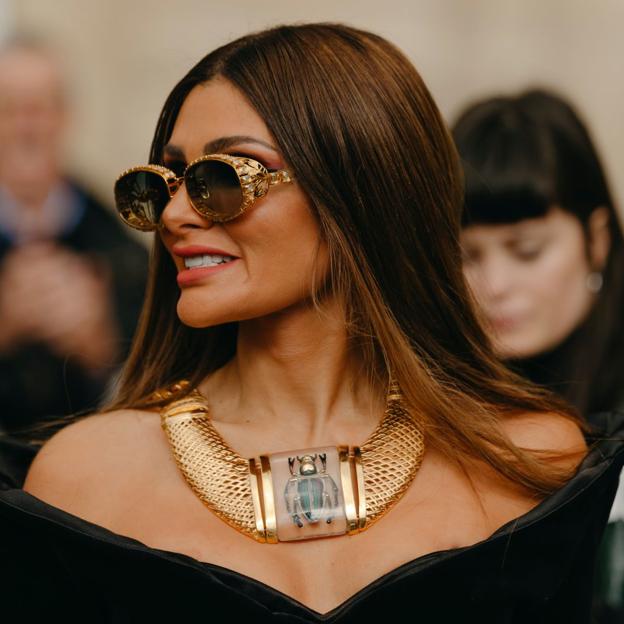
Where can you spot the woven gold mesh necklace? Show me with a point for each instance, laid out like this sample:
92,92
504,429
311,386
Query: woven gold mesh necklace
298,494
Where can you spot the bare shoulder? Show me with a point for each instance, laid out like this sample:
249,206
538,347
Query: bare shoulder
548,432
78,462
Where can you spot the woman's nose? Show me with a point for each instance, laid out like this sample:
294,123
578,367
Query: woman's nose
497,278
179,215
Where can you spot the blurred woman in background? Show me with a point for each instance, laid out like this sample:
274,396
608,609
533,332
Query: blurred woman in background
544,256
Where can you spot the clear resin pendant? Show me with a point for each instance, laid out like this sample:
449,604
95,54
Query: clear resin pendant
307,493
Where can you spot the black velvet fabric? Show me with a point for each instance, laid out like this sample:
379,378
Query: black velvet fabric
536,569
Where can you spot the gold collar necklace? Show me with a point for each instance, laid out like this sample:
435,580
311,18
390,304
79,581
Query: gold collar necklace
299,494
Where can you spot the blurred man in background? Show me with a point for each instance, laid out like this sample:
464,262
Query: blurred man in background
71,281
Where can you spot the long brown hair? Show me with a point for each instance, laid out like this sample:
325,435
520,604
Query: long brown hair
359,129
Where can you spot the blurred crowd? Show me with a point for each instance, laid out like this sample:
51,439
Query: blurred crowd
542,243
71,280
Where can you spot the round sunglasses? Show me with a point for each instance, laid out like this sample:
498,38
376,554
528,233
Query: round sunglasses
220,187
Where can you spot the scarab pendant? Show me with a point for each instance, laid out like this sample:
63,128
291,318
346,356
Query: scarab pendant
311,495
300,494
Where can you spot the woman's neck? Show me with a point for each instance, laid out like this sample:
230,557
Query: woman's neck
294,371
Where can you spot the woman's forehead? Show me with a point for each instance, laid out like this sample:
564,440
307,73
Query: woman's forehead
212,112
553,219
508,232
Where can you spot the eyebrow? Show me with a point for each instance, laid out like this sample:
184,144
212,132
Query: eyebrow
218,145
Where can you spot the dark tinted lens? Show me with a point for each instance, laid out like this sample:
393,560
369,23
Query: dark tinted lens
214,189
141,197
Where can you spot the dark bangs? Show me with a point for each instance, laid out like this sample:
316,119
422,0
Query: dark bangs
524,154
508,167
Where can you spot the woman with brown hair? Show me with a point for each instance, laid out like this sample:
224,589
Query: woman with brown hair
311,425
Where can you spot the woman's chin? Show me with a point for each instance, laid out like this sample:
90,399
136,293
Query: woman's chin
517,350
195,316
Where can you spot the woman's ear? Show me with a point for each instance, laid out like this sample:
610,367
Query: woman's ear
599,236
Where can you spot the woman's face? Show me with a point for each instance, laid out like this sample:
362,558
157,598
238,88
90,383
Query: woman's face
530,279
274,248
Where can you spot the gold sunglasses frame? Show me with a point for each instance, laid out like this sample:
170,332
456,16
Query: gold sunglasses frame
254,179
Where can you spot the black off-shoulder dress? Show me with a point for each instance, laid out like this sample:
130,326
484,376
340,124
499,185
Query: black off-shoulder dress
535,569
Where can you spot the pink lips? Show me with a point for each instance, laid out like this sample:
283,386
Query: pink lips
199,250
505,323
190,276
186,277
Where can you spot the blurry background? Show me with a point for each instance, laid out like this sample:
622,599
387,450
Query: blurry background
124,57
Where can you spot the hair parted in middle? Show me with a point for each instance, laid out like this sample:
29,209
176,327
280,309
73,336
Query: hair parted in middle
364,139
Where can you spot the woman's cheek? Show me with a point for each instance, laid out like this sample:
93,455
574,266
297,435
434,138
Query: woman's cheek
561,295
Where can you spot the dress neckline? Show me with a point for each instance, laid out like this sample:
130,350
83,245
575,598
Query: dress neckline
25,502
593,466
